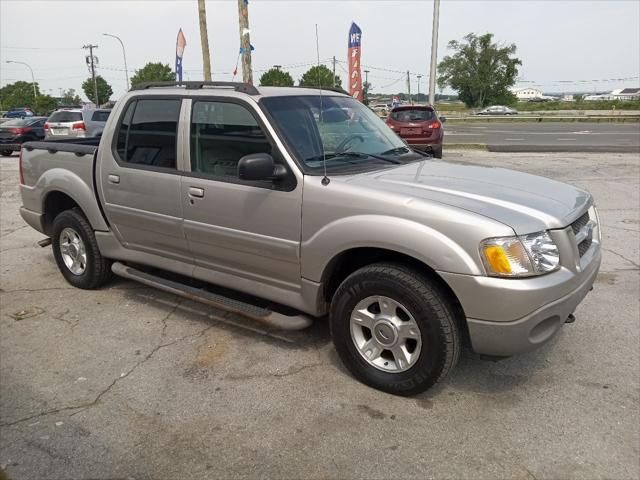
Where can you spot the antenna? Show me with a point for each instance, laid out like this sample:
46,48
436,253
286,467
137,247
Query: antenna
325,179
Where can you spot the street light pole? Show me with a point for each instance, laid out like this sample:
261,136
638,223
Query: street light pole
434,52
418,94
33,81
124,55
366,84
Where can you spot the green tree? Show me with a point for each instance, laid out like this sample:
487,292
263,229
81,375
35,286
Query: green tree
480,71
578,97
70,97
276,78
320,75
104,90
153,72
366,88
20,94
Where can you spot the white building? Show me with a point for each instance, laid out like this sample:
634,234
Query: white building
526,93
626,94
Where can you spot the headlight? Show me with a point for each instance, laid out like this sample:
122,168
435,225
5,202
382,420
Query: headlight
521,256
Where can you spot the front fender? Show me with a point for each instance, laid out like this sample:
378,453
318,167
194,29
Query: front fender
391,233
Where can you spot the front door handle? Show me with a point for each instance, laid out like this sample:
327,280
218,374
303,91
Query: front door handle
114,179
196,192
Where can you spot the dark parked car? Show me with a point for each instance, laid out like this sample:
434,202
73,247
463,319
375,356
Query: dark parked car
20,112
15,132
419,126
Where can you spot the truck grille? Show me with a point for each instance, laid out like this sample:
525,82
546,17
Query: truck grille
576,227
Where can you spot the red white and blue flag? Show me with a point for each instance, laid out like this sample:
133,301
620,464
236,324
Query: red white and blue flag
181,42
355,75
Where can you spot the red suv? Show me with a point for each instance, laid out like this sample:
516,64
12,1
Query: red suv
419,126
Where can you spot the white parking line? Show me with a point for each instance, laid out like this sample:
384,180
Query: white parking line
514,139
572,139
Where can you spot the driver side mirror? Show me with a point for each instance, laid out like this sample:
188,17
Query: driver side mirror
260,166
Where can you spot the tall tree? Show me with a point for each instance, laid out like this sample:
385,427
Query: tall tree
20,94
320,75
70,97
104,90
480,70
276,78
153,72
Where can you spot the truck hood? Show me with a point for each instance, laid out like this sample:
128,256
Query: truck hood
527,203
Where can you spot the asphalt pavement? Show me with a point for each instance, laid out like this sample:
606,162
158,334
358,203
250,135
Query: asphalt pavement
129,382
546,136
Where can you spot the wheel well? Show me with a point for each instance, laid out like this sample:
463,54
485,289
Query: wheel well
54,204
349,261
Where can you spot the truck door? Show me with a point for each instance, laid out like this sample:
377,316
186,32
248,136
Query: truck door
140,180
248,229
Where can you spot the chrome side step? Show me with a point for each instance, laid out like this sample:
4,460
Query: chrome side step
259,314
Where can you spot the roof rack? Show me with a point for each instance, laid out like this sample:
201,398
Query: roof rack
237,86
331,89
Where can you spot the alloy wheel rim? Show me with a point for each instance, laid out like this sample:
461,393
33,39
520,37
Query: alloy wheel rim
385,334
73,251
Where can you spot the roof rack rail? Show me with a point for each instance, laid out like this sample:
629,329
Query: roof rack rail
331,89
237,86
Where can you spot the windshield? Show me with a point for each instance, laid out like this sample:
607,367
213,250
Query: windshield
346,132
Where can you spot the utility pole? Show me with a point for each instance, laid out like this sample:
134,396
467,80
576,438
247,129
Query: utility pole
418,94
93,73
245,40
204,40
334,72
434,52
277,67
366,84
409,86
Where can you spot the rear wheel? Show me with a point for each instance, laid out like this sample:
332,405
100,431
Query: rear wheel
6,153
394,329
437,151
76,251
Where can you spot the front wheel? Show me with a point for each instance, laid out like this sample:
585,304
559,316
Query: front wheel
76,251
394,329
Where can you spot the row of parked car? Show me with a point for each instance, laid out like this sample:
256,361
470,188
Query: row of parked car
70,122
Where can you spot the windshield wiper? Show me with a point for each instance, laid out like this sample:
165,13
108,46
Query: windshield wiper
365,155
397,151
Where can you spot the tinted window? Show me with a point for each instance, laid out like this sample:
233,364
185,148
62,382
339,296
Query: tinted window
65,116
100,116
221,134
413,115
147,134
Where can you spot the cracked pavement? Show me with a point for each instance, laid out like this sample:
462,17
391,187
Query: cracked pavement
129,382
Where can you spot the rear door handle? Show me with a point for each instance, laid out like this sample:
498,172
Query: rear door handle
114,179
196,192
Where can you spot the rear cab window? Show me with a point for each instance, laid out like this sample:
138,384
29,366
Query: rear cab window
100,116
147,134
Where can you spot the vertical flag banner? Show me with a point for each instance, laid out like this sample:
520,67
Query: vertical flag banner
355,76
181,42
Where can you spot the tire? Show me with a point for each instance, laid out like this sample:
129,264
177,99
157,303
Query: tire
437,151
92,272
6,153
427,307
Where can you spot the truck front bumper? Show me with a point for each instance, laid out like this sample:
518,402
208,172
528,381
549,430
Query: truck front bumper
510,316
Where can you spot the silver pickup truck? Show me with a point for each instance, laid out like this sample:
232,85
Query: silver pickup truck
292,203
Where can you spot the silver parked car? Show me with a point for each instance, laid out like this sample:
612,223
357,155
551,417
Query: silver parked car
76,123
308,205
497,110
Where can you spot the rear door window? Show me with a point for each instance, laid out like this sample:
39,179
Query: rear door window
65,117
148,133
413,115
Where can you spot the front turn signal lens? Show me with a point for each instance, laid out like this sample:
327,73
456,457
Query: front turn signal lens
496,257
505,257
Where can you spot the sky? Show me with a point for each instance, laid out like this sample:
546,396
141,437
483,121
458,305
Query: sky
564,46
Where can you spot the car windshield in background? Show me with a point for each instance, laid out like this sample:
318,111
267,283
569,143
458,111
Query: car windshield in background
62,117
408,115
345,132
100,115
